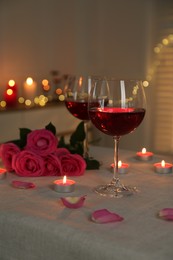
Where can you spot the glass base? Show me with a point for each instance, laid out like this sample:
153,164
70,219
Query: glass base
113,191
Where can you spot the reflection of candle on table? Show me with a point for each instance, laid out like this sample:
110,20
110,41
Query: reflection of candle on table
144,155
64,185
2,173
122,167
163,167
30,89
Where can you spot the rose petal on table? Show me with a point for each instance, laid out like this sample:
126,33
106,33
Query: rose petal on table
105,216
73,202
23,184
166,213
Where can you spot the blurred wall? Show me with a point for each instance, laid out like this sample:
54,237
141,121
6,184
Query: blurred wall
110,37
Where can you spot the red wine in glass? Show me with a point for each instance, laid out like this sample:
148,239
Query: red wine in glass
116,121
76,101
119,111
78,109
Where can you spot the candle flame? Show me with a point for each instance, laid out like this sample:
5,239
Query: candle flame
64,179
80,81
29,81
163,163
144,150
119,164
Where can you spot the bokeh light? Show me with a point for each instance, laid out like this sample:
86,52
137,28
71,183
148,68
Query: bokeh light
29,81
28,102
11,83
9,92
145,83
21,100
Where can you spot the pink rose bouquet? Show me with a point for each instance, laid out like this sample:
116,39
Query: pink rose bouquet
7,152
60,152
28,163
52,166
37,154
42,142
73,165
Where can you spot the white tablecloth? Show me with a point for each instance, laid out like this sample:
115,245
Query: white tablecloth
35,226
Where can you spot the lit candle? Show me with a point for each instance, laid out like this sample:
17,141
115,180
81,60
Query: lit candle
144,155
10,97
10,94
2,173
163,167
122,167
30,89
64,185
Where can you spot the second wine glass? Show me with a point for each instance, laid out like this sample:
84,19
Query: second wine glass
76,101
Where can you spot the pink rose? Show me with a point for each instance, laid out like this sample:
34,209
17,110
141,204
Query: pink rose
52,166
73,165
28,164
42,142
61,152
8,150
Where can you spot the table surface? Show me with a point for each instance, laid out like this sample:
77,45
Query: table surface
34,225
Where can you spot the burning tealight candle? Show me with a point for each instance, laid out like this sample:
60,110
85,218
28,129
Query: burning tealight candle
64,185
2,173
144,155
163,167
30,89
122,167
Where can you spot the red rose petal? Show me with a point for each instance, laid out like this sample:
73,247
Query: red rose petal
23,185
104,216
166,213
73,202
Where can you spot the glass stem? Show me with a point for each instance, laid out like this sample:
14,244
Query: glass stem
85,143
115,179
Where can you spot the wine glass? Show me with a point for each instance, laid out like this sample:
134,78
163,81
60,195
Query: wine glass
76,101
116,108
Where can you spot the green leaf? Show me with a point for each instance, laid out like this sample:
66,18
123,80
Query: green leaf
61,142
51,128
92,164
76,146
23,136
78,135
